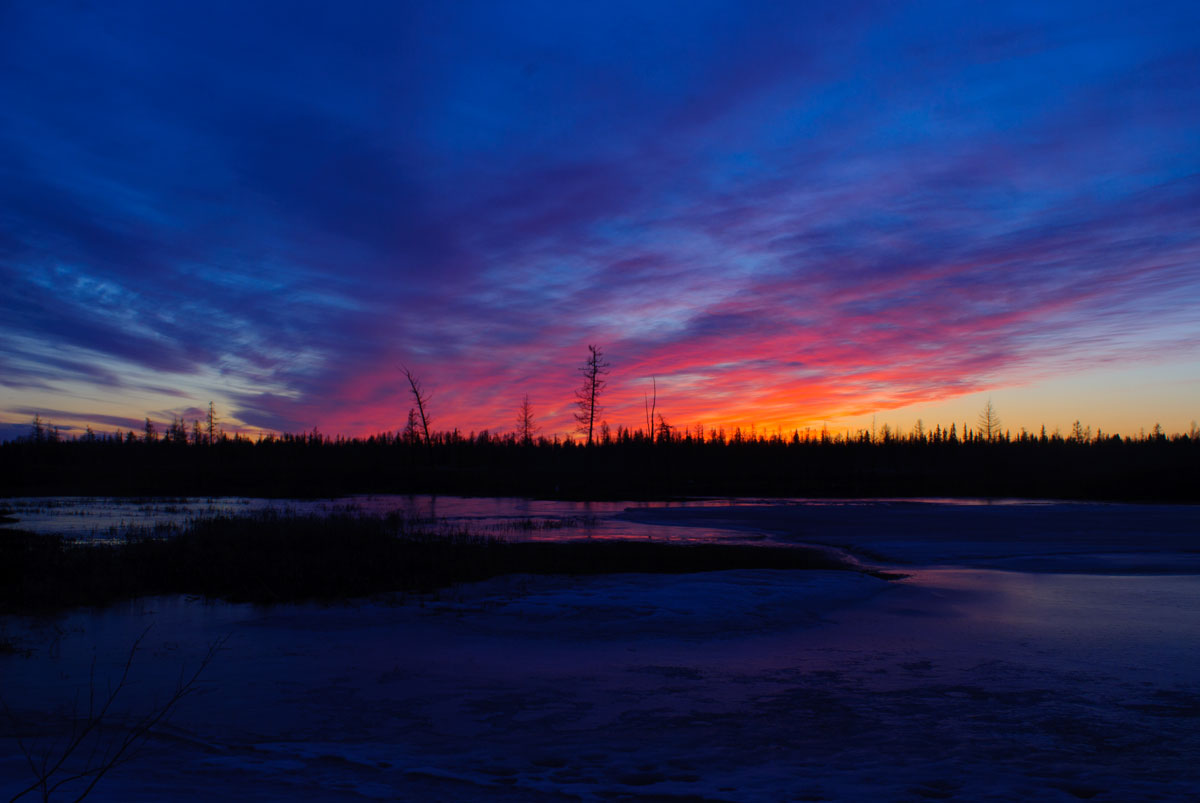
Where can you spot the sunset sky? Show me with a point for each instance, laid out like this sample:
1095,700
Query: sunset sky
788,214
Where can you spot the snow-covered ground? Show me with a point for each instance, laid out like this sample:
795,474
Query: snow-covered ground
1012,534
967,680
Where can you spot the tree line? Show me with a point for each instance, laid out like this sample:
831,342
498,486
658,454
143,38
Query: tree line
654,460
620,464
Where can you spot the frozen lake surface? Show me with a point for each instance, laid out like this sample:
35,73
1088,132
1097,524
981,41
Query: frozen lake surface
1039,651
1027,536
108,518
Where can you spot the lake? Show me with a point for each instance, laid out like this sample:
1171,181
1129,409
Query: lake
108,518
1033,650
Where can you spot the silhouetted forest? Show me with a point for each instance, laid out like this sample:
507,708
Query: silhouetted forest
620,464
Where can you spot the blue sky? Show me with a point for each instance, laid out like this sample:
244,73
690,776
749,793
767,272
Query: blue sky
785,214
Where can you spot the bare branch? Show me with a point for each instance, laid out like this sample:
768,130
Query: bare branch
52,773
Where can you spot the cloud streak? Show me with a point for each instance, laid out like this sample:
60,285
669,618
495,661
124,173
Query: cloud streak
784,216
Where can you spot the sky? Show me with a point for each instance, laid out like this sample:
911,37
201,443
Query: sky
783,215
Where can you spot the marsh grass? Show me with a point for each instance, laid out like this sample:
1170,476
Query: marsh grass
527,525
10,646
268,557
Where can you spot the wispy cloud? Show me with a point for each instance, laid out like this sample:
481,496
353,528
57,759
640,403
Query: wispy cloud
783,215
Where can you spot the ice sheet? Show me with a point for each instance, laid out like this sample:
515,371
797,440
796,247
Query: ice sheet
1015,534
972,683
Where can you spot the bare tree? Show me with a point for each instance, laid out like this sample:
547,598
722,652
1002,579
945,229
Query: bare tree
989,422
664,430
421,397
586,398
526,428
650,404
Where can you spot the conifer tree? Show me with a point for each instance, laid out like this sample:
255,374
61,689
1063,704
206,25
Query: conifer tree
526,428
989,422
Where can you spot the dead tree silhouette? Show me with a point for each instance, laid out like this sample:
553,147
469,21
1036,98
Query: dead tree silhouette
421,397
526,428
587,397
989,422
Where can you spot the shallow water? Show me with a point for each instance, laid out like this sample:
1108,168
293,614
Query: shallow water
109,518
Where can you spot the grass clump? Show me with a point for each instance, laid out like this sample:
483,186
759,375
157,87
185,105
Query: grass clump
271,557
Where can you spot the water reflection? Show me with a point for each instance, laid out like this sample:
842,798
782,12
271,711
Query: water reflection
1016,534
518,518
